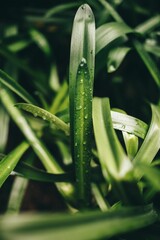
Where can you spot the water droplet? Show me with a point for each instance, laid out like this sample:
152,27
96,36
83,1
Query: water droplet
83,7
75,144
83,93
84,142
86,116
79,107
79,72
44,117
111,68
81,80
35,114
9,167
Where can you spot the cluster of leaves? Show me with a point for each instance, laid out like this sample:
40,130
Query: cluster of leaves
65,131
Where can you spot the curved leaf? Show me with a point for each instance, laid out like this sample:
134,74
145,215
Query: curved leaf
109,32
9,82
45,115
150,64
151,143
129,124
116,57
8,163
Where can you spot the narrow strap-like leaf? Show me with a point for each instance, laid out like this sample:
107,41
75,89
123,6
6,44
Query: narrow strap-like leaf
151,143
81,74
45,115
109,32
9,82
150,64
8,163
83,130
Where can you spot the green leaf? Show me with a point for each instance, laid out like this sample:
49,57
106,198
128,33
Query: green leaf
116,166
151,143
129,124
27,171
131,143
148,25
59,99
150,64
4,128
109,32
82,129
152,174
45,115
82,46
116,57
41,41
8,163
111,10
81,76
10,83
38,146
16,196
85,226
107,142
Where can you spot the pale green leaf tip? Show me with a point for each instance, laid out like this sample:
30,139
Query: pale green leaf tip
84,12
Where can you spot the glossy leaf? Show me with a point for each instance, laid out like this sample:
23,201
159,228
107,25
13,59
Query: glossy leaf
109,32
150,145
45,115
8,163
129,124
